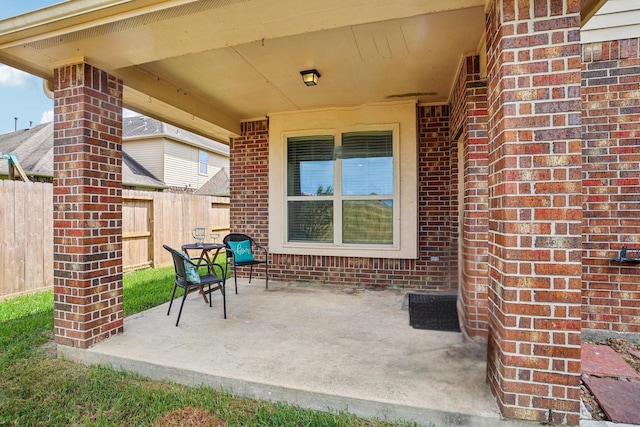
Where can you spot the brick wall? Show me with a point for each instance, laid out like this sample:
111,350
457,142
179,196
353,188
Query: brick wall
249,213
611,184
438,220
535,208
249,181
469,125
87,203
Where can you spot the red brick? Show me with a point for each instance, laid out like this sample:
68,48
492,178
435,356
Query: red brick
78,270
618,57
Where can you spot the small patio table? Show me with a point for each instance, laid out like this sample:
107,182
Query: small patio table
208,254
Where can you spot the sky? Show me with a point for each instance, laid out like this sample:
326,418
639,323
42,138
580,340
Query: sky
21,94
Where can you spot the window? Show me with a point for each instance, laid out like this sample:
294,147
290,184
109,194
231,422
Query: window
331,196
367,187
310,183
344,181
203,159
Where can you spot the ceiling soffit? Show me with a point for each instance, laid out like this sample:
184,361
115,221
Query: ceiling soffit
221,61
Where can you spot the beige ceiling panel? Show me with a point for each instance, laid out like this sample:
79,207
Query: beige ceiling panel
224,78
359,64
333,52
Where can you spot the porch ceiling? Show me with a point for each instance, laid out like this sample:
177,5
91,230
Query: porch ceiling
207,65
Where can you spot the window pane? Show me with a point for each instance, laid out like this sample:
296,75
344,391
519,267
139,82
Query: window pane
203,157
367,163
310,166
311,221
367,221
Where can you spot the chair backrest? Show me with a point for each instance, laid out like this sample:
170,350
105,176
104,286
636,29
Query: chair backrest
178,262
235,237
238,237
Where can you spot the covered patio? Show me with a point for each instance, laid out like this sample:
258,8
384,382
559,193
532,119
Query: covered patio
479,111
320,347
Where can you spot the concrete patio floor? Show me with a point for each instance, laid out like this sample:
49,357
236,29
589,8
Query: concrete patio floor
343,349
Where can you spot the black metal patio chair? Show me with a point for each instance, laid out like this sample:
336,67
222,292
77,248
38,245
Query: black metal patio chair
189,279
242,251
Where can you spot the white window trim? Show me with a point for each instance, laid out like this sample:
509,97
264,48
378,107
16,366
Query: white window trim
400,117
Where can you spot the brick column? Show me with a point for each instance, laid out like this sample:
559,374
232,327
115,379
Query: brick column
535,208
87,203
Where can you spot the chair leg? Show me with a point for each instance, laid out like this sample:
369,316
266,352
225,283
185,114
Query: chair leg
266,274
250,272
184,297
172,297
210,297
224,298
235,277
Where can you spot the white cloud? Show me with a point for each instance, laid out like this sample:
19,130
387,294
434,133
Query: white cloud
12,77
46,117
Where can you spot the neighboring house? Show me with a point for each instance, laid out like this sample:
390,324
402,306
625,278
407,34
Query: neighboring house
473,146
34,149
181,159
148,144
616,20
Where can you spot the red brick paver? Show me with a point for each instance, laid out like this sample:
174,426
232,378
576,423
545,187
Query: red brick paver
618,399
603,361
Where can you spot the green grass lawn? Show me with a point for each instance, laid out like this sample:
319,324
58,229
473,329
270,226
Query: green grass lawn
37,389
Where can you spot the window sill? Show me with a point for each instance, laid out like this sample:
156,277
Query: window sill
360,251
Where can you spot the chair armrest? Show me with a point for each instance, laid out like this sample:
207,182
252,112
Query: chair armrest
223,271
195,261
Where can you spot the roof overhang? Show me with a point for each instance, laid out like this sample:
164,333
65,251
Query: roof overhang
588,8
208,65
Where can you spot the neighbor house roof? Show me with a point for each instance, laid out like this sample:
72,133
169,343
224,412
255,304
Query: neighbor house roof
34,149
133,173
218,185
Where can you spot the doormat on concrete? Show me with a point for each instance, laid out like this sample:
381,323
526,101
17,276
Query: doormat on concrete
436,312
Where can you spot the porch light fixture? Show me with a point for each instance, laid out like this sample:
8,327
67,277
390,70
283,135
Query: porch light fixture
310,77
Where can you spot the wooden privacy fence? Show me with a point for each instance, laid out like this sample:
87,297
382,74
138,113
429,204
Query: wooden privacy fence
149,220
152,219
26,246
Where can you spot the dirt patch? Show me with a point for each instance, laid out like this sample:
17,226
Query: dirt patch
49,348
625,349
189,416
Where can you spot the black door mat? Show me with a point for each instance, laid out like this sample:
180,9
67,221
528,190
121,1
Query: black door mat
436,312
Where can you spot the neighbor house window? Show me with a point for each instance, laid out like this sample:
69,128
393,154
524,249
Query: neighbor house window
203,162
340,188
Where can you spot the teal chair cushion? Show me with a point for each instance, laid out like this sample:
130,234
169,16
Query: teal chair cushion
242,251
